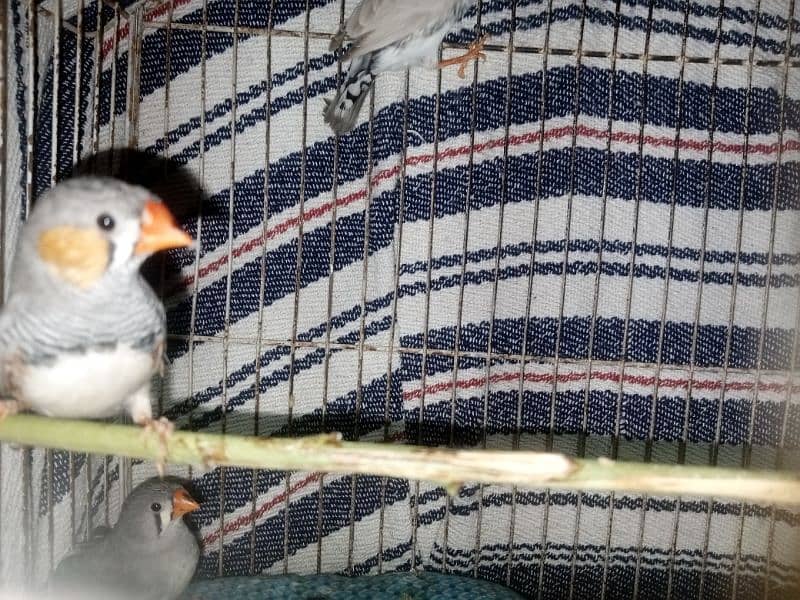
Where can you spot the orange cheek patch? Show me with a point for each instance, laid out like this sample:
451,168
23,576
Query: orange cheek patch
79,256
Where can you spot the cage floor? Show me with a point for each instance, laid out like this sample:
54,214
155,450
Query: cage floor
399,586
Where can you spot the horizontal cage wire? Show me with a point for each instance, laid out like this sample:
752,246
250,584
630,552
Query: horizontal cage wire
588,245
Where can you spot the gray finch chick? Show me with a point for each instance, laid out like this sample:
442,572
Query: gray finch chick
82,333
150,554
391,35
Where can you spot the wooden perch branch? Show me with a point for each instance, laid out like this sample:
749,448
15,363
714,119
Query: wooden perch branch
450,468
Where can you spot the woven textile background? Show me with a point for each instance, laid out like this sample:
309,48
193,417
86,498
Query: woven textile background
586,251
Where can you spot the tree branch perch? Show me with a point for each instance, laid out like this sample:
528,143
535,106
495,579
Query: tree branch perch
450,468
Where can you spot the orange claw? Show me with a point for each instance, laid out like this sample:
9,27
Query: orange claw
474,52
9,408
162,427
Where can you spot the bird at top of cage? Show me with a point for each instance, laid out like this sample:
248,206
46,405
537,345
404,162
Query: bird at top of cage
82,333
150,554
388,36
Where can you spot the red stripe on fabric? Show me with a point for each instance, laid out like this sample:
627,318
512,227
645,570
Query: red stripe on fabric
247,519
513,140
122,32
608,376
686,144
285,226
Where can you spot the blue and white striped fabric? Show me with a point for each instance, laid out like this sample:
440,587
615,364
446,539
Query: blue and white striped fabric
566,251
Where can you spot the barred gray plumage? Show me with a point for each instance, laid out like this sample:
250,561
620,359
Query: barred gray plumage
39,333
387,36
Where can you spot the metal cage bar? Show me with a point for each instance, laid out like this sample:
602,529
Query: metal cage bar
229,275
462,280
297,280
549,442
262,286
362,326
4,204
329,313
427,313
496,279
747,450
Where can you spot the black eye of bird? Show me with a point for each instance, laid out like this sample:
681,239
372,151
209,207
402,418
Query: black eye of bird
155,507
105,222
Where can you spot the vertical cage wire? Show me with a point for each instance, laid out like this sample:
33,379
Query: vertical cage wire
748,448
329,311
4,179
297,279
362,323
504,199
133,91
4,205
395,286
166,151
779,459
195,287
734,290
581,446
538,195
31,102
113,93
76,108
550,441
703,245
229,275
56,25
462,279
135,18
648,446
263,274
94,146
663,319
427,311
123,466
97,78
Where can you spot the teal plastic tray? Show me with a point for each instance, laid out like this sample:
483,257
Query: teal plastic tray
396,586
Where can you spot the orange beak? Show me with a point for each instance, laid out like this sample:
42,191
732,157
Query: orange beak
182,503
159,231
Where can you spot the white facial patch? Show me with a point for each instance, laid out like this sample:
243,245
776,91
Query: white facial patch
166,516
124,238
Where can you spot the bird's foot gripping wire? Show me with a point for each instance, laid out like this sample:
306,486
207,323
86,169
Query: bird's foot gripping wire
9,408
474,52
162,427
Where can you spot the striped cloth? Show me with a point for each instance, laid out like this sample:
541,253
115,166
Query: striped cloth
590,252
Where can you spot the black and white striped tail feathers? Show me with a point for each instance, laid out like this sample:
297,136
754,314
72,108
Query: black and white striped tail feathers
341,113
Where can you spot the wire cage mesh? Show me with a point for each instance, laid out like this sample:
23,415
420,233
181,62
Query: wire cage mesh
589,246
